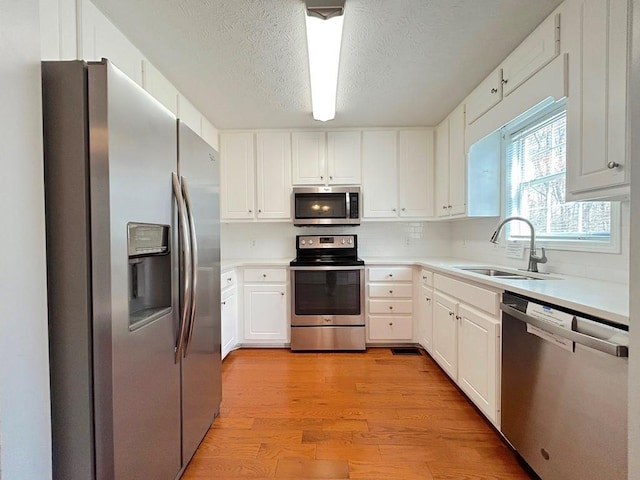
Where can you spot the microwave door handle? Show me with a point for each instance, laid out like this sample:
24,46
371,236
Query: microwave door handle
183,229
194,265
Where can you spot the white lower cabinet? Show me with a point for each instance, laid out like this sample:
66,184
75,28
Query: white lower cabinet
424,309
390,305
229,320
228,312
479,348
265,312
466,340
445,333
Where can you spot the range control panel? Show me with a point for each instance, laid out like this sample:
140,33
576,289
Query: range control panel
326,241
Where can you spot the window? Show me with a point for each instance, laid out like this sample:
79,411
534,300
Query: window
535,189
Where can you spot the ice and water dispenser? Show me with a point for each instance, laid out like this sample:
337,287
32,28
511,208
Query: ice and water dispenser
149,273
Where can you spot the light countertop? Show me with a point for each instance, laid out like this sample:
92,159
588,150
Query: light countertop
607,300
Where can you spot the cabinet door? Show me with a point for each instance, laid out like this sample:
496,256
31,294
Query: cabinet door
159,87
442,169
229,320
445,333
415,161
484,97
596,109
425,318
457,163
237,175
479,359
344,158
380,173
273,164
538,49
265,313
309,158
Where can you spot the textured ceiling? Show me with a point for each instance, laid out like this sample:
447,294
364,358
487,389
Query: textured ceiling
243,63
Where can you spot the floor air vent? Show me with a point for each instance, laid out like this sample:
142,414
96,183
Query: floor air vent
405,351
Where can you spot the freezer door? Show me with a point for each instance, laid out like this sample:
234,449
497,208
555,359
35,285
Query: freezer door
133,146
201,376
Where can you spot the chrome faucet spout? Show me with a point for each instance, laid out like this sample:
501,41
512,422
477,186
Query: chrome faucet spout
534,259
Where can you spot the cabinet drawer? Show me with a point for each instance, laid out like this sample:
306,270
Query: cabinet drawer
390,306
391,274
481,298
427,278
253,275
390,290
228,279
390,328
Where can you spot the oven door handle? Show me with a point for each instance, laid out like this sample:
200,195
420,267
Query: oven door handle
611,348
324,267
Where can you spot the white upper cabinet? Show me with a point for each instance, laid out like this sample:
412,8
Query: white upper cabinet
327,158
416,167
534,53
255,176
237,176
380,173
538,49
485,96
451,166
309,158
159,87
597,163
189,114
273,166
344,158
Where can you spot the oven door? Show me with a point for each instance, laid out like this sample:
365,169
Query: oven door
330,296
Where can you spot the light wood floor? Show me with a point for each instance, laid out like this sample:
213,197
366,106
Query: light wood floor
369,415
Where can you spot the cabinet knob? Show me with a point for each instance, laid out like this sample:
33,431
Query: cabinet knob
391,324
451,314
449,206
390,307
427,299
458,317
391,291
444,207
264,275
404,209
394,210
282,293
612,165
224,303
505,81
321,177
259,211
250,211
390,275
228,279
494,90
330,177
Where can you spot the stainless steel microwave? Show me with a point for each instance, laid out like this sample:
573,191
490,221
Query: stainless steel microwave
318,206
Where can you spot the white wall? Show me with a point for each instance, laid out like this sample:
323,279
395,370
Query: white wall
634,287
470,240
25,430
375,239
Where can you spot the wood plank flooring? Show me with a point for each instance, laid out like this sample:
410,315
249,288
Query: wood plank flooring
369,415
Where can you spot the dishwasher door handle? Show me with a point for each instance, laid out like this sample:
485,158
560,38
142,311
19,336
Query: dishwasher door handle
587,340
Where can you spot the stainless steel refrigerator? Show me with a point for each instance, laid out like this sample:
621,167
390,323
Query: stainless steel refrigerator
133,258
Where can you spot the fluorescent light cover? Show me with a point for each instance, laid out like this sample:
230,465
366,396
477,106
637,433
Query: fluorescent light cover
323,41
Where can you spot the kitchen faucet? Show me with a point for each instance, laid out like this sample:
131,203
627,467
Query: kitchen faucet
534,260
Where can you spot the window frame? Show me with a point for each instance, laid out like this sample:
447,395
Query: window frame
527,120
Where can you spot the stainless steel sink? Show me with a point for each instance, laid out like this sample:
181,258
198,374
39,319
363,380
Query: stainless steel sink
492,272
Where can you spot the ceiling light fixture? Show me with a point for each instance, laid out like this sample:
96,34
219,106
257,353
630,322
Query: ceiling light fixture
324,35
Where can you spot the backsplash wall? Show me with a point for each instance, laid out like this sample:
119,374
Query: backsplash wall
470,240
262,240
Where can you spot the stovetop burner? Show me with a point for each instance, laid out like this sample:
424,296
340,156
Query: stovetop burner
326,250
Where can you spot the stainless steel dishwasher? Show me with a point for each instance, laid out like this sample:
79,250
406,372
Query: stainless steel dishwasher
564,391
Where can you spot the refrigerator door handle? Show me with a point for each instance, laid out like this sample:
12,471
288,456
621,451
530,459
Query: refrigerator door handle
188,267
194,265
